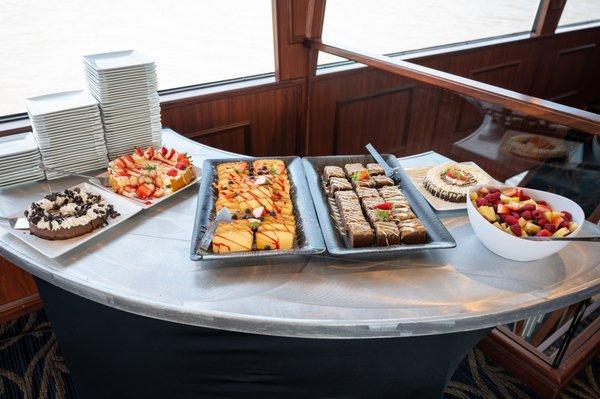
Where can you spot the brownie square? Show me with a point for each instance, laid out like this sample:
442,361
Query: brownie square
387,233
332,171
367,192
338,184
375,169
390,191
364,183
359,234
382,181
412,231
351,168
399,214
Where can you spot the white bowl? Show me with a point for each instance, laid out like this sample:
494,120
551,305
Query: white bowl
516,248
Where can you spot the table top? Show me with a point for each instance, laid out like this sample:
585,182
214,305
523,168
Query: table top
142,266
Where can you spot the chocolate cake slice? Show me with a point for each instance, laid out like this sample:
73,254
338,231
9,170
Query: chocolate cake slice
351,168
367,192
359,234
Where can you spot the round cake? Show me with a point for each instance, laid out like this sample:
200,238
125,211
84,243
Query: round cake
68,214
536,147
450,181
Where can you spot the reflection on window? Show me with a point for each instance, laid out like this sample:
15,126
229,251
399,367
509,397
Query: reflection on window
387,26
579,11
191,41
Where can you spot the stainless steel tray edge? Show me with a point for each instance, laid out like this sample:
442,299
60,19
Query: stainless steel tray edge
309,227
441,238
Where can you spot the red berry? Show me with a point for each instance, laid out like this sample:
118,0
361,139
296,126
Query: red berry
480,202
564,224
494,190
567,216
543,203
511,220
550,227
543,233
541,222
526,215
172,172
515,215
515,228
536,214
528,207
490,197
524,197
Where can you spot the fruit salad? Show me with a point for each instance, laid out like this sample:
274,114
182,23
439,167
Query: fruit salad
514,212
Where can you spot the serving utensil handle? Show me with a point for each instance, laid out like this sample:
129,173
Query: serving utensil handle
389,171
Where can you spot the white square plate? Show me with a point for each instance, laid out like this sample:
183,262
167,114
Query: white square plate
57,102
417,175
145,204
52,249
117,60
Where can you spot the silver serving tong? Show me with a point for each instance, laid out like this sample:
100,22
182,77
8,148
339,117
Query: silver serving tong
99,180
223,216
16,223
389,171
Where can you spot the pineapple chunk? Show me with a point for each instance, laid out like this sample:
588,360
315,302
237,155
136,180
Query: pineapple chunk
496,224
529,202
563,231
532,228
522,222
473,196
488,213
506,199
573,226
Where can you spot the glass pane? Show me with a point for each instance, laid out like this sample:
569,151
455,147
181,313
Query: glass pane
578,11
387,26
191,41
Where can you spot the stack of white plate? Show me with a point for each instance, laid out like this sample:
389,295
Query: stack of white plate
19,157
68,129
125,85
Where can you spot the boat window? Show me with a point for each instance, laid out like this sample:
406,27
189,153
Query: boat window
388,26
191,41
580,11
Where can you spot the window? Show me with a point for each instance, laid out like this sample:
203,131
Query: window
580,11
191,41
387,26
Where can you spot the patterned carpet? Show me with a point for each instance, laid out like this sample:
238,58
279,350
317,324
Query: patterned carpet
31,366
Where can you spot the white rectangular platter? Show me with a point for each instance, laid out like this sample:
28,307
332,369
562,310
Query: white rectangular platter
417,175
53,249
150,203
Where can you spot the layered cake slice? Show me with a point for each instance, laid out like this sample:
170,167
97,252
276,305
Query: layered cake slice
412,231
332,171
338,184
375,169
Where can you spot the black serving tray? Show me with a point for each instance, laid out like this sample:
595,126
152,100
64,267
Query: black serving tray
309,239
438,236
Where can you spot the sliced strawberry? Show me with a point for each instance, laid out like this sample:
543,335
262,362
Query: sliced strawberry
384,205
170,154
144,192
543,233
180,165
163,151
129,160
120,163
139,151
172,172
150,152
511,192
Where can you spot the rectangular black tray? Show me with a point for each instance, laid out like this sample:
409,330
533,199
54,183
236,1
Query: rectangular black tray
438,236
308,236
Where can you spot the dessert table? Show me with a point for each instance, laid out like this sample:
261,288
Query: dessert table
135,317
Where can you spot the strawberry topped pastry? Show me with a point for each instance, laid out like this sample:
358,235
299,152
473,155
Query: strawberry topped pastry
515,213
257,194
150,174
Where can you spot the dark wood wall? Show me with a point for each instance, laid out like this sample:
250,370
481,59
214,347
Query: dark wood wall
349,108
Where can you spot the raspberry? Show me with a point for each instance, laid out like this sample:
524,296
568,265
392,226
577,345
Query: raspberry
543,233
511,220
536,214
481,202
515,228
528,207
564,224
567,216
526,215
542,222
550,227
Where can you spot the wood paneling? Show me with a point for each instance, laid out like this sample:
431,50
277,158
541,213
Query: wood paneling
381,118
234,137
18,293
